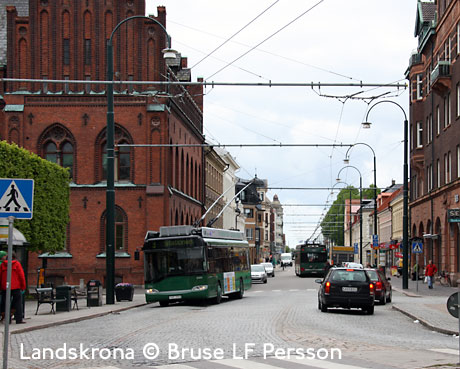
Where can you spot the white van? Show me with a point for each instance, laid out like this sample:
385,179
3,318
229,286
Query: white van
286,259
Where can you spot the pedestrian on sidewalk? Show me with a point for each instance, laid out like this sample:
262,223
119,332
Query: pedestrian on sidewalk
430,272
18,284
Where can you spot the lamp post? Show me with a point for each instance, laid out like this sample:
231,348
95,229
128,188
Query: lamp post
360,209
347,161
110,192
367,124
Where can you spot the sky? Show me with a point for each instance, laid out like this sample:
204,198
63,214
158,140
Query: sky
302,41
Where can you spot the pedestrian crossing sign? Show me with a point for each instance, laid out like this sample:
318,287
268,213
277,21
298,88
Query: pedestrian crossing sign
16,198
417,247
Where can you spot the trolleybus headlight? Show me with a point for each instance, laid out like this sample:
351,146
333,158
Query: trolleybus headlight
200,288
152,290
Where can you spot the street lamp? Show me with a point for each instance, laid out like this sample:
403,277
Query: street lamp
360,209
347,161
110,192
367,124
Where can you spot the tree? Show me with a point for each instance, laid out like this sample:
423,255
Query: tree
46,231
333,223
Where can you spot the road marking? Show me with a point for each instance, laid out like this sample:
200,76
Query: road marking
311,289
257,291
321,363
244,364
249,364
276,290
446,351
293,290
172,366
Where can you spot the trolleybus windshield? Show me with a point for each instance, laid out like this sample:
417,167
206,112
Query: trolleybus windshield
173,257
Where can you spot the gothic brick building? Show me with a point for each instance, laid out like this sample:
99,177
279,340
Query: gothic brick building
66,123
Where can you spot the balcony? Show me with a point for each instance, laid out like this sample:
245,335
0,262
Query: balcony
415,58
440,78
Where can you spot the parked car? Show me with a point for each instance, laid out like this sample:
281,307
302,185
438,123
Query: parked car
346,288
258,273
351,264
269,269
383,292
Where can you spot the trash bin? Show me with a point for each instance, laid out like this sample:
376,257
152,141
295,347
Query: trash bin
124,291
93,293
63,294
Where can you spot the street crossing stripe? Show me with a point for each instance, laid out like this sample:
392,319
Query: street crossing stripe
249,364
446,351
324,364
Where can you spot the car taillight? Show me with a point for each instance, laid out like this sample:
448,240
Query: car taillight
371,288
302,269
327,287
378,286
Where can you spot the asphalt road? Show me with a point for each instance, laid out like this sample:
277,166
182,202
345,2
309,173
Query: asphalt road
273,320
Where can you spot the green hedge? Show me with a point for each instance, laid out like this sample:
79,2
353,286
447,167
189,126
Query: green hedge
46,231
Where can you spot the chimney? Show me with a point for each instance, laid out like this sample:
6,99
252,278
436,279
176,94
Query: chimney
393,182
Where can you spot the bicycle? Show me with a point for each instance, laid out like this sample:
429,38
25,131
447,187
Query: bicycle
444,279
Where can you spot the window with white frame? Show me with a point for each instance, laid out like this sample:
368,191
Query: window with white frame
249,234
438,120
449,167
429,177
449,110
438,174
419,134
446,170
458,38
445,113
419,86
458,99
458,161
429,129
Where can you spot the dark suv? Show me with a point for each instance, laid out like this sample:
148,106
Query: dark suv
346,288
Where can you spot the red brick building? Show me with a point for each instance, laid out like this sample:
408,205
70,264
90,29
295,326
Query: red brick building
434,74
66,123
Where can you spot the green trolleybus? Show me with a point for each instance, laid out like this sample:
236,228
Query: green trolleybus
310,259
187,263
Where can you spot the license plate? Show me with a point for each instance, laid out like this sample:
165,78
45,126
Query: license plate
350,289
175,297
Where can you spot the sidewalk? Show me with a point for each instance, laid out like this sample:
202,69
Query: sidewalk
427,306
45,318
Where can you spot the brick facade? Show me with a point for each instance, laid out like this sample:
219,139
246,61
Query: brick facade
66,123
434,74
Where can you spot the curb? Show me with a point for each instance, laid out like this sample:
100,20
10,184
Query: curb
407,293
424,322
74,320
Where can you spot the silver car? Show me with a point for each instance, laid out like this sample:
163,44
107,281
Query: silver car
269,269
258,273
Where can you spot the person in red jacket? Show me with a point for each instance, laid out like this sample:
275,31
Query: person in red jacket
18,284
430,271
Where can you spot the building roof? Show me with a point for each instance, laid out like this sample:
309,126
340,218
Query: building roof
22,7
426,14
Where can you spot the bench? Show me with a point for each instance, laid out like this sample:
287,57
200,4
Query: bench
46,295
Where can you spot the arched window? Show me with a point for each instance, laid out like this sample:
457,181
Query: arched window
121,230
58,146
122,159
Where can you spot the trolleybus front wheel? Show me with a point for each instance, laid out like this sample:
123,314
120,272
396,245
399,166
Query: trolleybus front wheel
218,297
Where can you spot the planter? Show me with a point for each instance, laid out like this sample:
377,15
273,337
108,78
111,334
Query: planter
124,292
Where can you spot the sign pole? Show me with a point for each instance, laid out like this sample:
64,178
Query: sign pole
416,271
6,319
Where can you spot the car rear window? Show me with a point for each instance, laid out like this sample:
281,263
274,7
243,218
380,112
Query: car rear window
349,275
373,275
